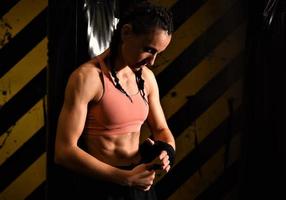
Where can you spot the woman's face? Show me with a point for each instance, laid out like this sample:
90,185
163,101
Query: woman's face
139,50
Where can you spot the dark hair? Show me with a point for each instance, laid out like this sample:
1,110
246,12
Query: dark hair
143,17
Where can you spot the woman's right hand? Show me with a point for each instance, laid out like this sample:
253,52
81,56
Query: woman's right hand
141,176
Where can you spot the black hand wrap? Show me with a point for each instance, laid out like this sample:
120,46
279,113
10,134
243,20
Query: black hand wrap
149,152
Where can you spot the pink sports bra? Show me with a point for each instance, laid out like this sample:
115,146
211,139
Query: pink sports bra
115,114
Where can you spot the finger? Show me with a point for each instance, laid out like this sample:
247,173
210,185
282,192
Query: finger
148,188
168,168
163,154
145,183
165,165
146,173
144,188
162,161
149,185
165,159
150,141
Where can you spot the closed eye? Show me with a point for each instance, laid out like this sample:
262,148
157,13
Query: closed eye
150,50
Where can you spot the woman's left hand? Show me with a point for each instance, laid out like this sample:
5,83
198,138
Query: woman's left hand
162,162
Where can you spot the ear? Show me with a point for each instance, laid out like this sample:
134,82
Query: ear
126,31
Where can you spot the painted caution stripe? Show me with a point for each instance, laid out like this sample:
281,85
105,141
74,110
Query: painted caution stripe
18,17
209,93
194,160
208,68
182,17
23,101
224,184
211,170
197,26
22,131
6,5
23,42
24,71
232,15
198,103
23,61
25,184
216,114
190,58
39,193
22,158
207,122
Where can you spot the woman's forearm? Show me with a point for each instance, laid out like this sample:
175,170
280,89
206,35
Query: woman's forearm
165,135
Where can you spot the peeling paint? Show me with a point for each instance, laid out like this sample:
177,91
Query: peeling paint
5,35
4,137
173,94
4,92
3,140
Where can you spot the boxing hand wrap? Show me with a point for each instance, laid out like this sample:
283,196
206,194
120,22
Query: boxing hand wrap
163,146
149,152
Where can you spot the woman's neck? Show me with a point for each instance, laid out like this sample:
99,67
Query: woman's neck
117,63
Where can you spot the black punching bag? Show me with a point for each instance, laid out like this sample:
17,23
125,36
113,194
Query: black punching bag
66,50
264,140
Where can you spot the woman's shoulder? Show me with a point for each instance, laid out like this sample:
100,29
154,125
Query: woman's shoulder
88,71
149,78
148,74
85,80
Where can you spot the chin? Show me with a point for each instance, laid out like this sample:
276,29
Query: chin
136,66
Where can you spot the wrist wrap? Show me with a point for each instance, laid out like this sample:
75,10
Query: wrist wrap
149,152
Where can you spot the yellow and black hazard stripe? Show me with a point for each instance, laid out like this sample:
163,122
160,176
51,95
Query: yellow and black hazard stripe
200,78
23,61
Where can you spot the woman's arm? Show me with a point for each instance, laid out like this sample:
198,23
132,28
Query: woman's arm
156,119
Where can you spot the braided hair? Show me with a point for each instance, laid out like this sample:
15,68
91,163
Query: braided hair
143,17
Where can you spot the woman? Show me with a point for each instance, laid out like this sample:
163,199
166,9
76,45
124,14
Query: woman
107,100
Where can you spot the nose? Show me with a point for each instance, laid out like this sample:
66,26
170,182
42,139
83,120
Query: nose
152,59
